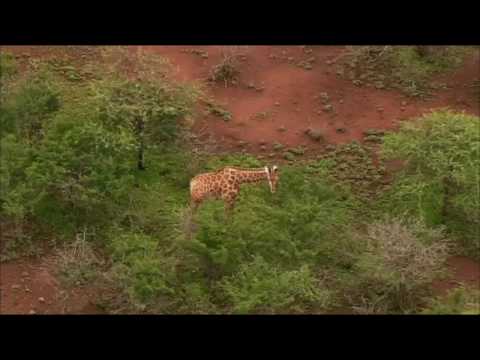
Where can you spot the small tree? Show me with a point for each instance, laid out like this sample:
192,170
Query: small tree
150,108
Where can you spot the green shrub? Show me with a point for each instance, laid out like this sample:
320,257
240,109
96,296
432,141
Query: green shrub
260,287
27,110
142,272
440,183
7,65
289,227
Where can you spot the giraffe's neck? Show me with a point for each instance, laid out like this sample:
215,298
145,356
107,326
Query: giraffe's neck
252,175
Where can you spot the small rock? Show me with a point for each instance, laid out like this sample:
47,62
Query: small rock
32,312
263,148
28,290
251,85
314,134
330,147
41,299
307,67
277,103
290,59
328,62
16,287
380,109
341,101
328,107
277,146
282,129
262,142
402,109
289,156
404,103
25,274
341,130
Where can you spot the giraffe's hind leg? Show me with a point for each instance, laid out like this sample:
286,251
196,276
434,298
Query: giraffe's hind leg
192,226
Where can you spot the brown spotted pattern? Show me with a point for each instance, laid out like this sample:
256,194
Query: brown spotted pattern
225,184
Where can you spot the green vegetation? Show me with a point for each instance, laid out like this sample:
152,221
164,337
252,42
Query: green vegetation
100,167
407,68
441,183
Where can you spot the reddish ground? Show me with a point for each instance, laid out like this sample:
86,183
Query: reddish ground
291,95
29,286
291,98
462,271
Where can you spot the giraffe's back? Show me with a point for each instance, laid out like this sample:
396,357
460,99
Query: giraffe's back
206,185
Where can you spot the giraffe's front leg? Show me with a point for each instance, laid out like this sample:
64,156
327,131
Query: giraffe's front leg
230,200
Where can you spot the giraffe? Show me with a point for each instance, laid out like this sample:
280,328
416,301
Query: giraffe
225,184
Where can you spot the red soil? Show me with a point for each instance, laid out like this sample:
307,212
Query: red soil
462,271
30,286
291,95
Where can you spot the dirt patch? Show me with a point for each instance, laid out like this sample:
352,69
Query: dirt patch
462,270
28,286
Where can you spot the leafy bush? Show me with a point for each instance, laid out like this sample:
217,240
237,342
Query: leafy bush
141,271
7,65
395,271
149,109
28,109
440,183
260,287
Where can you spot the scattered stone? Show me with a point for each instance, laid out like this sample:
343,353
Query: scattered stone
307,67
329,62
297,151
374,132
324,96
32,312
341,130
277,103
16,287
315,135
41,299
290,59
341,101
263,148
277,146
251,85
28,290
402,109
262,142
328,108
25,274
404,103
282,129
330,147
380,109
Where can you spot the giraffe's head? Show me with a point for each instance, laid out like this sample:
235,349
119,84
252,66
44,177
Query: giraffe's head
273,176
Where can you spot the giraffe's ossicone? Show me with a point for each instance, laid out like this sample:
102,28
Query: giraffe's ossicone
225,184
